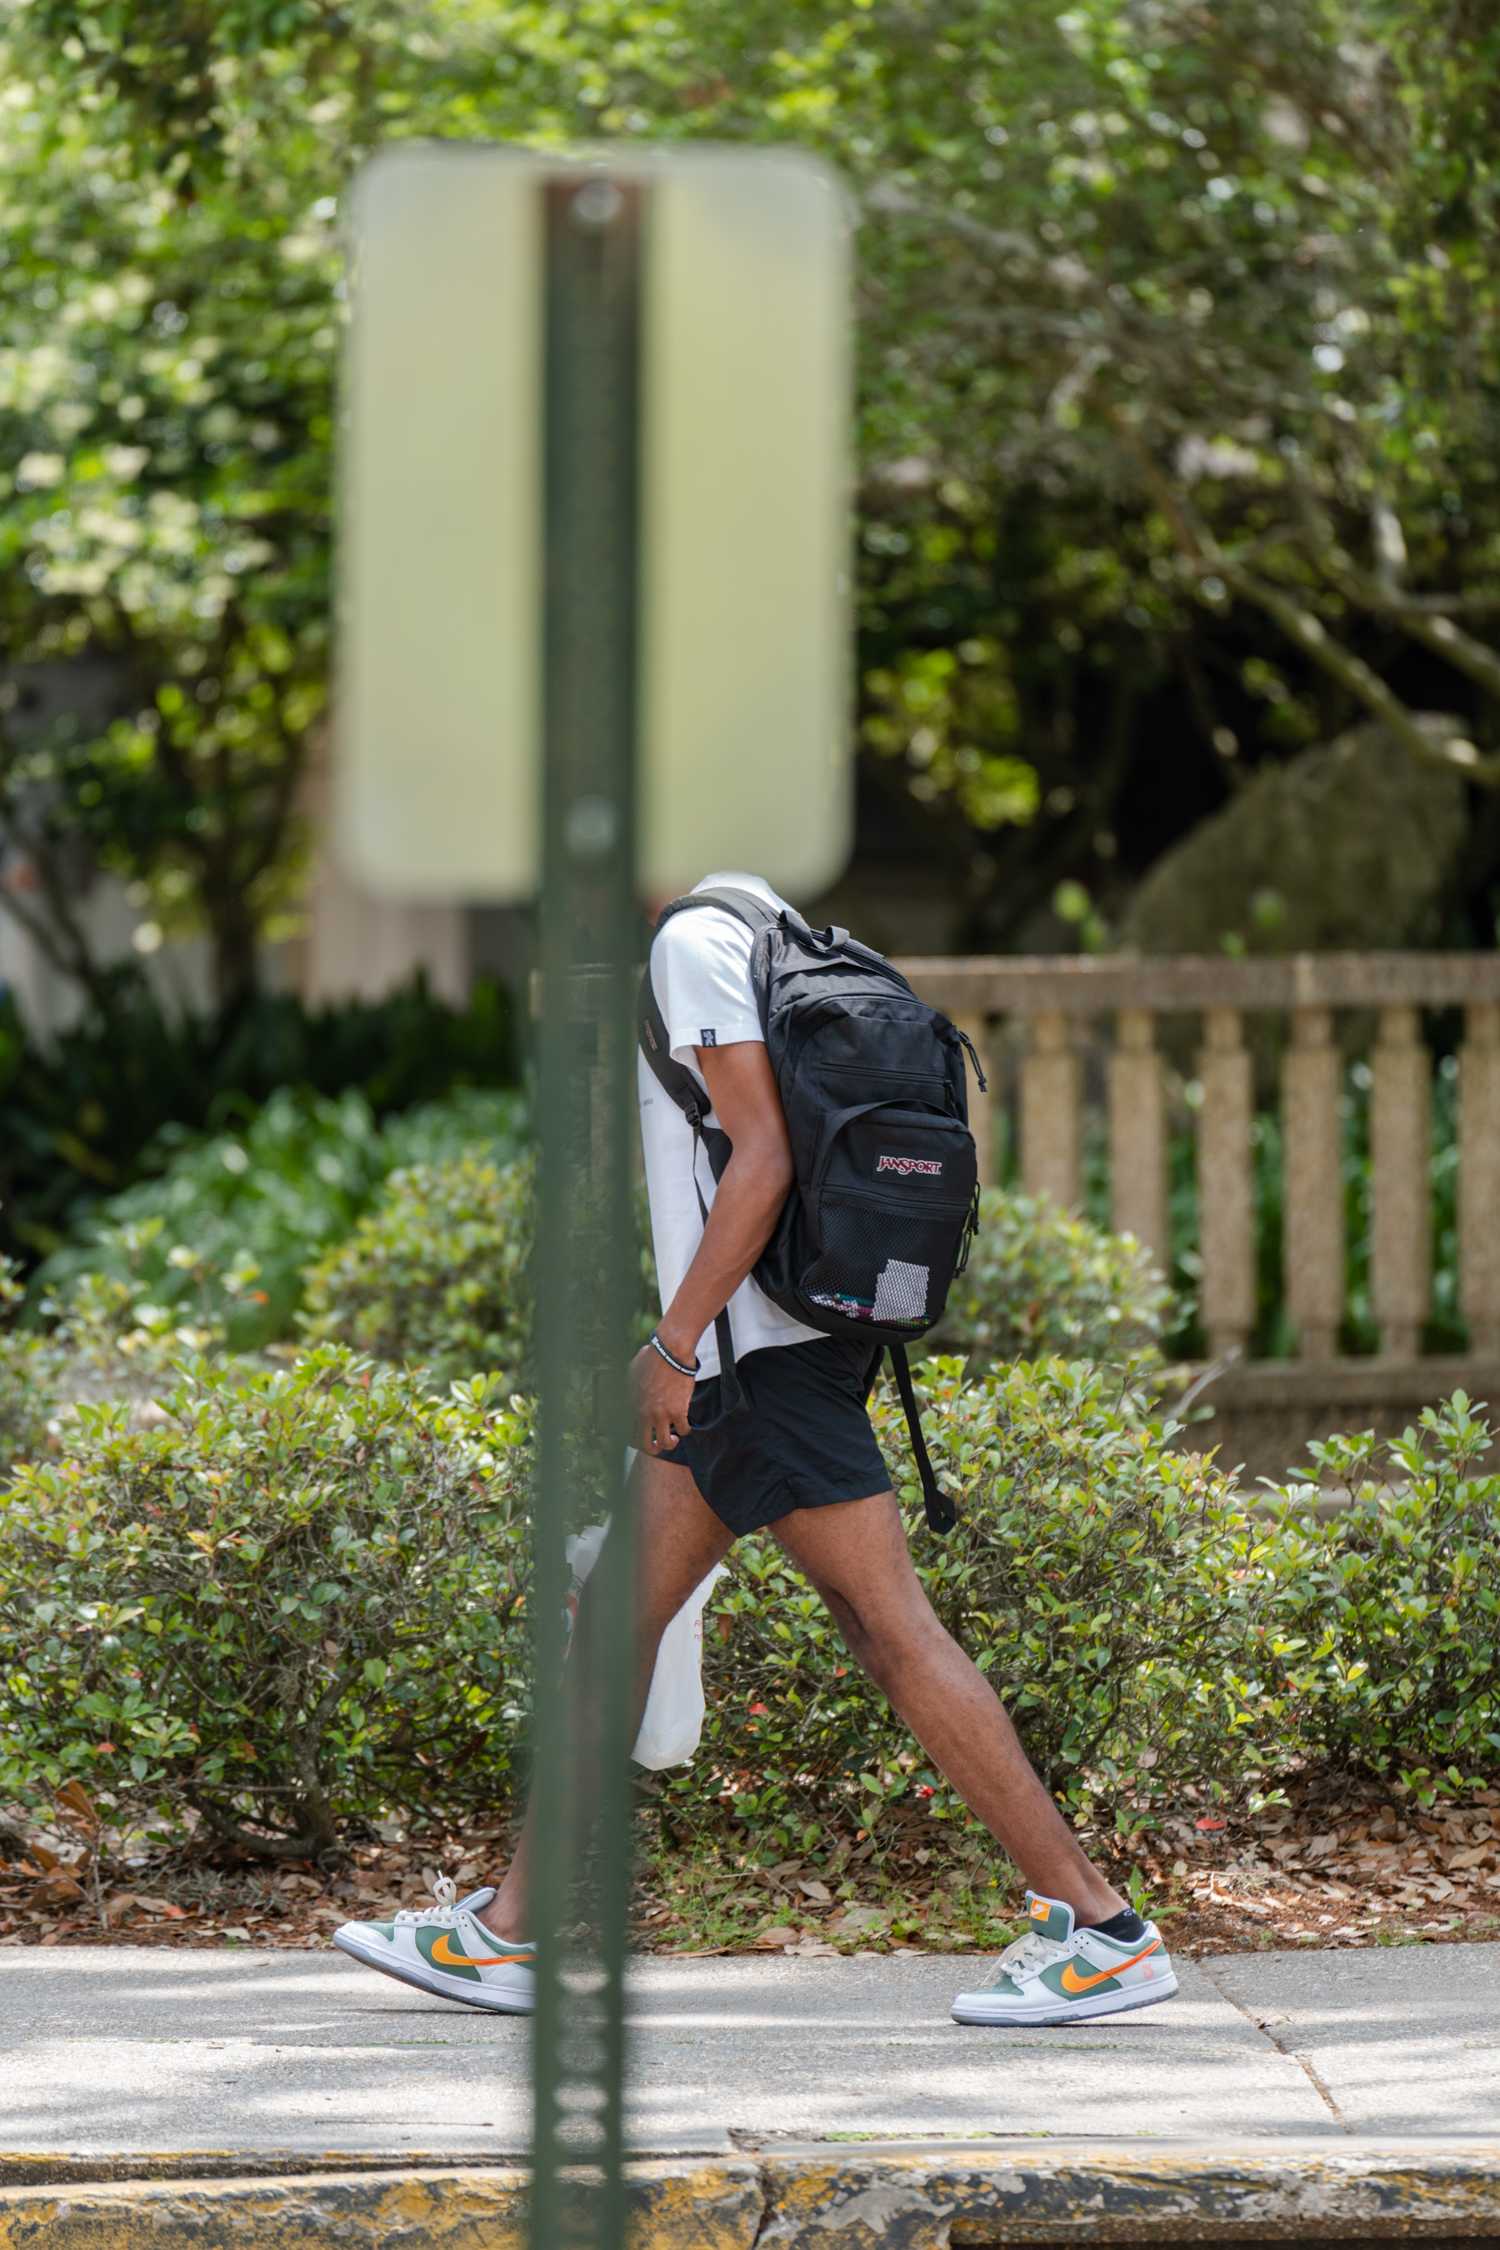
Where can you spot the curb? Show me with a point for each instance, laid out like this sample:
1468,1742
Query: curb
1136,2192
677,2206
888,2197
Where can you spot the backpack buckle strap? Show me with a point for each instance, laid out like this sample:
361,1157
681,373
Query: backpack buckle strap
941,1513
984,1084
971,1228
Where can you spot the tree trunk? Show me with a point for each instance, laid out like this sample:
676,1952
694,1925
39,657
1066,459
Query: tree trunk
236,955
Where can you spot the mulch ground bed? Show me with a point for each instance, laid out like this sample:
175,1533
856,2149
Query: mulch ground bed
1342,1864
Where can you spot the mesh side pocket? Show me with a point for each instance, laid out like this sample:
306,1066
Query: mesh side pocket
875,1263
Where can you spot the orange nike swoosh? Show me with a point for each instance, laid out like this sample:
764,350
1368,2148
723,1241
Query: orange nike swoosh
1073,1983
445,1957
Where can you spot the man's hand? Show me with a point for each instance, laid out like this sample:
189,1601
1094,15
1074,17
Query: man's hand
662,1398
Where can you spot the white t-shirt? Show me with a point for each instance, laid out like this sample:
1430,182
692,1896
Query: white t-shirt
700,973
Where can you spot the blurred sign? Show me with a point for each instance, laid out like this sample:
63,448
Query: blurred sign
743,657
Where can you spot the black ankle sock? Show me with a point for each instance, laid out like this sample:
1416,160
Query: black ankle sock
1126,1926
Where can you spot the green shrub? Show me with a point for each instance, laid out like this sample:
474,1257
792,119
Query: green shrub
1041,1281
292,1600
84,1109
1103,1581
437,1272
98,1349
223,1235
28,1378
471,1121
1387,1623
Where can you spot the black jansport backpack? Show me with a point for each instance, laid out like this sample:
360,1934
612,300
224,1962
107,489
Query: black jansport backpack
875,1091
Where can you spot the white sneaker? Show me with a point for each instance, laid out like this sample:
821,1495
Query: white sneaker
444,1949
1059,1974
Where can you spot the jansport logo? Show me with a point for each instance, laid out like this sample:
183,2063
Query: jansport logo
929,1164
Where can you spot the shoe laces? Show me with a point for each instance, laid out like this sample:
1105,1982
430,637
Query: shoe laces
1025,1957
445,1891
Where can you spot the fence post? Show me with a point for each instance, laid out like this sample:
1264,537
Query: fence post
1479,1175
1400,1148
1138,1134
1313,1188
1050,1073
1226,1229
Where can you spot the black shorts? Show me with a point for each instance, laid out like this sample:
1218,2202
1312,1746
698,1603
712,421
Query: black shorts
799,1437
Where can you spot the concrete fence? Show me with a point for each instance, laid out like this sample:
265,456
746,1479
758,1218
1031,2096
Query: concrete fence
1060,1035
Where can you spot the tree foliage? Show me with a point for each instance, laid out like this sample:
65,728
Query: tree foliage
1178,369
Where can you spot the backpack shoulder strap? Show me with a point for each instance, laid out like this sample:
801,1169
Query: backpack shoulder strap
675,1080
743,905
681,1087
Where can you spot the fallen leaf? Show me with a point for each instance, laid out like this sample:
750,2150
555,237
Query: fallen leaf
863,1918
57,1889
76,1805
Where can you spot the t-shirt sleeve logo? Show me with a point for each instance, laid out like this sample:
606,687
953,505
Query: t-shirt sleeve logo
708,1039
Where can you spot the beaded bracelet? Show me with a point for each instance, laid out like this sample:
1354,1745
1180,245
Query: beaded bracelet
671,1359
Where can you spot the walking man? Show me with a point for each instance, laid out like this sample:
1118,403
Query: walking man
781,1441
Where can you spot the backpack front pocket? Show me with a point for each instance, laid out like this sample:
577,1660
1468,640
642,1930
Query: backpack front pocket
888,1211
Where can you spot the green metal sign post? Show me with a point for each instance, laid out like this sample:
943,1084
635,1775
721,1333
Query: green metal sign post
594,230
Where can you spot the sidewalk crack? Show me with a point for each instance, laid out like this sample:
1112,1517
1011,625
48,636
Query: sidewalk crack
1268,2031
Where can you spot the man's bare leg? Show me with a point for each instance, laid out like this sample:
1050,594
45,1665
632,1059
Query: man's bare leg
855,1554
679,1539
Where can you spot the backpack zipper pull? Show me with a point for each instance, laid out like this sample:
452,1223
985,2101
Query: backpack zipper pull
984,1084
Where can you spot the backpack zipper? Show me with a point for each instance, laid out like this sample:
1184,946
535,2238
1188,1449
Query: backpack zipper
916,1201
984,1084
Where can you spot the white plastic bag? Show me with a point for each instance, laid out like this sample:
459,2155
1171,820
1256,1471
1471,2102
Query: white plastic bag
672,1722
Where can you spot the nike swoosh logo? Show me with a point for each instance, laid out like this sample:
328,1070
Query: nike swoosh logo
1072,1983
444,1957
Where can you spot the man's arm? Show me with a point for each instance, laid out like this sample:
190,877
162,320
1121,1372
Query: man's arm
746,1206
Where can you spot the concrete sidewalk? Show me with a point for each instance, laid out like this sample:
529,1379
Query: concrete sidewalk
127,2062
